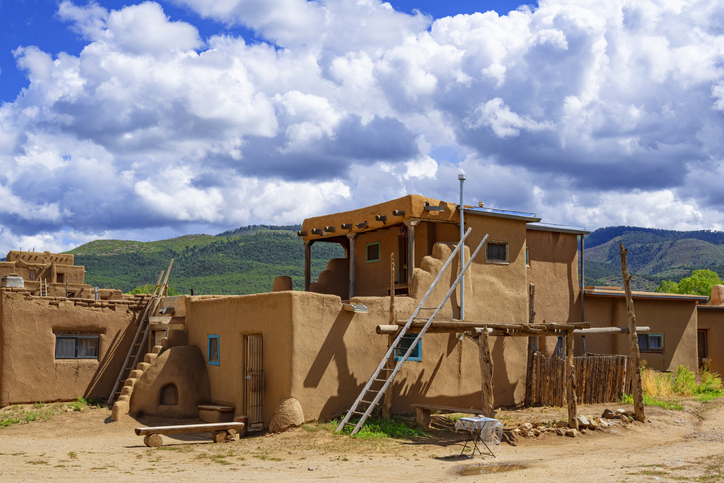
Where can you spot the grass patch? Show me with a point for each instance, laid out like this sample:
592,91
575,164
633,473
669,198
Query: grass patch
395,427
653,401
660,386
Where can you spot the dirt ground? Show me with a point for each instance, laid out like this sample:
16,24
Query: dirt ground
86,446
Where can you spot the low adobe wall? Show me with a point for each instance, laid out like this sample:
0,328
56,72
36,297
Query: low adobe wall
29,371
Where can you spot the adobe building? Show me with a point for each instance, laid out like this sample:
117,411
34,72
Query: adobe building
710,331
672,318
57,341
320,346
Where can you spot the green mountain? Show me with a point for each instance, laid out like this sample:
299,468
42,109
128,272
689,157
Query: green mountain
241,261
246,260
653,255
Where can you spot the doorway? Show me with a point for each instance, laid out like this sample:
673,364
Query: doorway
254,381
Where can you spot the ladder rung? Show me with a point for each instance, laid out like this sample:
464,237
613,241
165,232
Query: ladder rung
357,412
367,402
350,424
428,308
386,369
380,380
421,318
370,390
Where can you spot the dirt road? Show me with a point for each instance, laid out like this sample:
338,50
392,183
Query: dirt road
86,446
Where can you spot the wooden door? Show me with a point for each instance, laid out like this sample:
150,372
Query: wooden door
254,381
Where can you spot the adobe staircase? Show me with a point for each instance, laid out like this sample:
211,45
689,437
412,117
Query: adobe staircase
370,397
133,367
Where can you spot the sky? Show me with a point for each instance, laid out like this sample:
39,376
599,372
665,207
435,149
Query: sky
149,120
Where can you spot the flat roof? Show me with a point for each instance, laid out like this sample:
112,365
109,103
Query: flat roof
395,212
558,228
645,295
513,215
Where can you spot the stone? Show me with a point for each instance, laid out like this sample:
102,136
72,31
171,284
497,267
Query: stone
218,436
560,431
592,425
526,427
288,414
608,414
620,411
536,432
630,413
582,420
583,431
602,422
572,433
562,424
529,434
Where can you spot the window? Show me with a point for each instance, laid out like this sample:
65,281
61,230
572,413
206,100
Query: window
31,275
59,278
527,256
651,342
702,344
71,346
213,351
405,344
373,252
496,252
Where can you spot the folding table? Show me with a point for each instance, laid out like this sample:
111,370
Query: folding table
480,429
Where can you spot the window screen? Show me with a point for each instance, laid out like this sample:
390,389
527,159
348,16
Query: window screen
373,252
651,342
213,352
77,346
497,252
405,344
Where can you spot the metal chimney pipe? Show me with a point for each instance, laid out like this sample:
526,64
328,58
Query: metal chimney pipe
461,177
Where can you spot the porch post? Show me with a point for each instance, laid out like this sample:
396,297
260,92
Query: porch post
352,258
307,264
411,224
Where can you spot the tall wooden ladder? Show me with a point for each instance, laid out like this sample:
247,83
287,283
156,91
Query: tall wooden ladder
370,397
43,288
135,352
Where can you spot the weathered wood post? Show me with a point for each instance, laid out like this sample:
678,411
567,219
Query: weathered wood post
387,398
571,377
531,350
633,341
486,372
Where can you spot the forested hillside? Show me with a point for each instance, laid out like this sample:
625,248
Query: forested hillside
246,260
654,255
242,263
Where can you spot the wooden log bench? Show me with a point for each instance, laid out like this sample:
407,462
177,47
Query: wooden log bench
221,432
423,412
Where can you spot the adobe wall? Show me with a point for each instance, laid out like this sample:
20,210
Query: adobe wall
29,371
676,320
232,318
554,272
712,319
335,352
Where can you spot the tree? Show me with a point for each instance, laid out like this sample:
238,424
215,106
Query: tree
699,283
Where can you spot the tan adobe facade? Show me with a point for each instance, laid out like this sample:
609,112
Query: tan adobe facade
249,353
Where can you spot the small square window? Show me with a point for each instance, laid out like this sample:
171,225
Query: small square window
77,346
405,344
373,252
651,342
496,252
212,354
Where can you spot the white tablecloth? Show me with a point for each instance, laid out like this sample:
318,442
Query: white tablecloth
491,430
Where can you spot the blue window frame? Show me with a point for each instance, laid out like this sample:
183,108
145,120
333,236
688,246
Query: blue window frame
405,344
213,353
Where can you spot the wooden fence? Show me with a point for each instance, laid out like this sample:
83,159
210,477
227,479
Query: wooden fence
599,378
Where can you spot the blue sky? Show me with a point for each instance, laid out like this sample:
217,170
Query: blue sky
205,115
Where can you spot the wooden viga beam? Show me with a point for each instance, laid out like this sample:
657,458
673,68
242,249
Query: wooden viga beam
513,331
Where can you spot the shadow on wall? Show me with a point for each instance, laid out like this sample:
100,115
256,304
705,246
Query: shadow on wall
102,382
333,348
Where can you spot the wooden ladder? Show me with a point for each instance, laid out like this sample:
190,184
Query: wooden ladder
43,288
136,350
371,397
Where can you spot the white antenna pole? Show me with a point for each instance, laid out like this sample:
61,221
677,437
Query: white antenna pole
461,177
